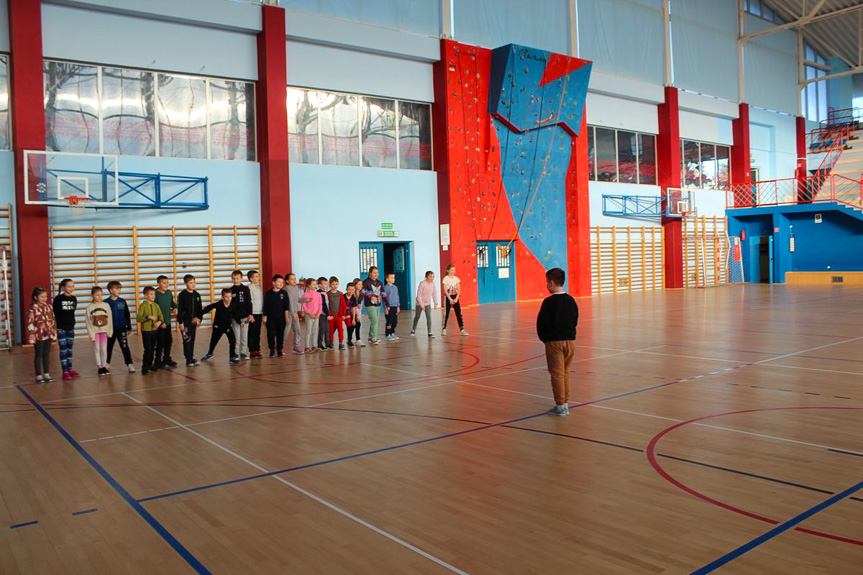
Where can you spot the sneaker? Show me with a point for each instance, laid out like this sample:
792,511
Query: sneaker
243,356
144,371
394,337
443,331
39,379
256,355
103,371
67,376
46,378
281,353
158,366
464,333
192,363
360,344
331,347
413,333
75,374
207,357
559,410
234,360
170,362
131,368
272,354
376,342
298,351
342,347
351,344
431,336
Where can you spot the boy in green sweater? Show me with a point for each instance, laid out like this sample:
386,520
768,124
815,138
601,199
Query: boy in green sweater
150,317
164,339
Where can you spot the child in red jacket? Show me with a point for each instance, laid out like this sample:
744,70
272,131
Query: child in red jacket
339,311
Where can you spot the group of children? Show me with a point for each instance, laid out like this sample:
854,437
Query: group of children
241,314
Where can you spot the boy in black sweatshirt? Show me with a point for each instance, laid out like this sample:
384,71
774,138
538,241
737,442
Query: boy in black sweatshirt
242,298
276,313
227,312
555,326
189,316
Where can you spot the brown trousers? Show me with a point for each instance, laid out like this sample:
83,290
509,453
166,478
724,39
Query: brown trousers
558,355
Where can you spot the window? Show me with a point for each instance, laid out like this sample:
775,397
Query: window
761,9
502,259
705,165
232,120
482,256
352,130
71,107
815,94
621,156
5,136
96,109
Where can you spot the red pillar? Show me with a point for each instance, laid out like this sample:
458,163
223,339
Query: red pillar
28,133
441,147
741,172
802,171
669,167
272,113
578,215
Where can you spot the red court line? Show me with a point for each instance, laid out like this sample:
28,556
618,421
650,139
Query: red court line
654,462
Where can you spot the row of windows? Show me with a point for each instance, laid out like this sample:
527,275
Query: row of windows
814,97
705,165
105,110
621,156
350,130
762,10
5,129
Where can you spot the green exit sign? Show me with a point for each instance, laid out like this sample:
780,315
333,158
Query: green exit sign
387,226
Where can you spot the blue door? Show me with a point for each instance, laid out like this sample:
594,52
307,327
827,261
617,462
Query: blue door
495,266
371,254
397,259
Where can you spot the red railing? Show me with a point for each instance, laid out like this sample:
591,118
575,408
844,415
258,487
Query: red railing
791,191
820,140
843,116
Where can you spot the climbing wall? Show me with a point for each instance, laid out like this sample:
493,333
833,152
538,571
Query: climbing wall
505,161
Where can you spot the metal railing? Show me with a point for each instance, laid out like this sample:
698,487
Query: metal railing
843,116
800,190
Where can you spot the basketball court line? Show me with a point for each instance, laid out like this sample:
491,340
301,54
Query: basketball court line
307,493
163,532
778,530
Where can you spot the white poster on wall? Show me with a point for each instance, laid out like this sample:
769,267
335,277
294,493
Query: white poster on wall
503,273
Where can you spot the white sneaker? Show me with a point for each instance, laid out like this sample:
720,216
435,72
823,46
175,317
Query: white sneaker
559,410
413,333
38,379
443,331
360,344
131,368
464,333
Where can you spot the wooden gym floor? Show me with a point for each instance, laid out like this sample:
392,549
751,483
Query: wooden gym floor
717,429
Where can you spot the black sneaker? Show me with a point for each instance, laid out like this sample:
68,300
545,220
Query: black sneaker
145,371
281,353
103,371
351,344
170,362
192,363
272,354
234,360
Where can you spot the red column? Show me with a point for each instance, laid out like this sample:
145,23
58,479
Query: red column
28,133
272,114
441,147
802,171
578,215
741,172
668,169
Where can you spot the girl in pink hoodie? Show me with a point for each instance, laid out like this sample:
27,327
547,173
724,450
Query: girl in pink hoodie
313,306
426,302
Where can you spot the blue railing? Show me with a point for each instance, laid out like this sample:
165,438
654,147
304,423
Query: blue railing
633,206
162,191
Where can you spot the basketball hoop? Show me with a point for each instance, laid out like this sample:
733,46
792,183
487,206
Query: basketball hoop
77,204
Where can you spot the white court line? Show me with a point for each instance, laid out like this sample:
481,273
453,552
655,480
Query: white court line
309,494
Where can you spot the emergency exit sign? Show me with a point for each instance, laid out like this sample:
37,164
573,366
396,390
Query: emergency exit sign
387,226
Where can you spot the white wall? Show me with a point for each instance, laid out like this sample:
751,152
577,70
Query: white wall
773,143
335,208
622,113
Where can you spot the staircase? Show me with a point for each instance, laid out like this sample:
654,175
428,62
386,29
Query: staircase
849,165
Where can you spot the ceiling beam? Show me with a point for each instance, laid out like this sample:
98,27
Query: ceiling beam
809,19
852,71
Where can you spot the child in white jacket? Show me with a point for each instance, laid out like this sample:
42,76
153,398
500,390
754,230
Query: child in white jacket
100,326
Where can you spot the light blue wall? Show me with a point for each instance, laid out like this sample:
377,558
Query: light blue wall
771,68
109,38
234,196
705,46
334,208
840,92
773,143
495,23
421,16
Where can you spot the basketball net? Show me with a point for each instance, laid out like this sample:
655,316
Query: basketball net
77,205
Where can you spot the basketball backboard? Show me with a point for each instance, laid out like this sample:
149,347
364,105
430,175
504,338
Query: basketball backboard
53,177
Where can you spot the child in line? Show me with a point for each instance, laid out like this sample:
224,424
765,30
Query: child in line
338,312
452,291
393,303
312,306
41,331
227,314
325,342
242,297
426,302
165,339
189,315
122,324
555,326
293,322
256,320
275,314
355,310
373,294
150,318
100,326
64,306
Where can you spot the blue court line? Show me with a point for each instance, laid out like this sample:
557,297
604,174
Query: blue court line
84,512
423,441
154,523
779,529
19,525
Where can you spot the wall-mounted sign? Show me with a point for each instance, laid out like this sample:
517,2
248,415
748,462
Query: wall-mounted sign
387,226
388,234
444,236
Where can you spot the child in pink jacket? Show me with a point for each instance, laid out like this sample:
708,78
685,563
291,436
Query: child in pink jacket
312,306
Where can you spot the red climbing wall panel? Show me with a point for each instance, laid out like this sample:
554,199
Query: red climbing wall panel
471,198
